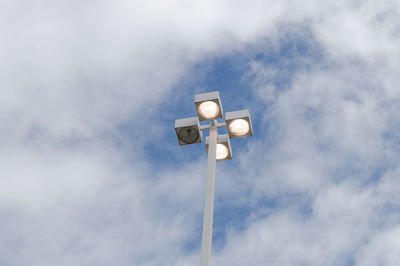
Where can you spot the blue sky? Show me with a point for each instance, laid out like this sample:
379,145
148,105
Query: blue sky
91,172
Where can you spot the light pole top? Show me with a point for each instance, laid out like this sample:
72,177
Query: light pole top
209,108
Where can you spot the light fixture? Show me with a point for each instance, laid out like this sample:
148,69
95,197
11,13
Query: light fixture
208,109
239,124
188,131
239,127
224,150
208,105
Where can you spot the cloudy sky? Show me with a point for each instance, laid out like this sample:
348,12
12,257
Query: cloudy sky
91,172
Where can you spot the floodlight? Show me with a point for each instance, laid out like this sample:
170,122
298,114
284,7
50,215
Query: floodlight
208,109
208,105
224,151
188,130
239,124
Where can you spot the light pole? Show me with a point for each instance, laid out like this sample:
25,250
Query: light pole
189,131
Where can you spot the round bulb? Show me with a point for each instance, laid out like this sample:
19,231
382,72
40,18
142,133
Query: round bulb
208,109
222,151
239,127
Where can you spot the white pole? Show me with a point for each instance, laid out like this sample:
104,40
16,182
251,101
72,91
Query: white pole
206,242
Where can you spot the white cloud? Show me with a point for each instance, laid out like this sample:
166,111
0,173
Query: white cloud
383,249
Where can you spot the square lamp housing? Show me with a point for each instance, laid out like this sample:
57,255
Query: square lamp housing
223,140
238,128
188,130
214,108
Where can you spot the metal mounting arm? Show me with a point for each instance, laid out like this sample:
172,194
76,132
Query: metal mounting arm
217,125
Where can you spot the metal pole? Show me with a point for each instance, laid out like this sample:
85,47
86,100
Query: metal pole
206,242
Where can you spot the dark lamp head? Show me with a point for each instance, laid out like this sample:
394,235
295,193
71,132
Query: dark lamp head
188,135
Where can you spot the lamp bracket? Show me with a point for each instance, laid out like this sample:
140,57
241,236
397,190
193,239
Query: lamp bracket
218,125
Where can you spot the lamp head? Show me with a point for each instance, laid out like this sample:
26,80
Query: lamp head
188,131
224,150
239,124
208,105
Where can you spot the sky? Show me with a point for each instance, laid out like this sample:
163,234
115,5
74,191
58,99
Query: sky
91,172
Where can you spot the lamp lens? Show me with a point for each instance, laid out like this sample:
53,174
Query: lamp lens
188,135
209,109
239,127
222,151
